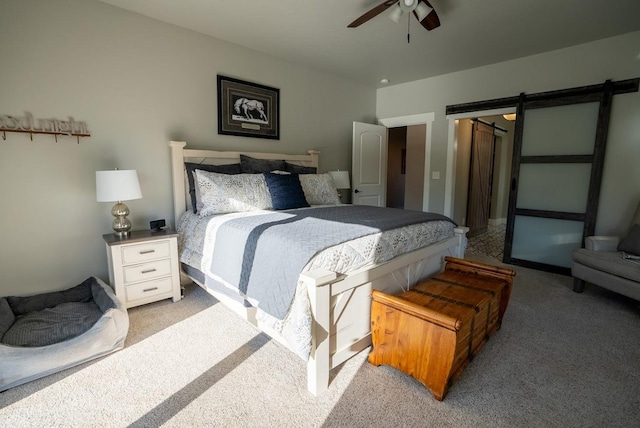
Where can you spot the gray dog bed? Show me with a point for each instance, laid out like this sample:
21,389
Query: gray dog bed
46,333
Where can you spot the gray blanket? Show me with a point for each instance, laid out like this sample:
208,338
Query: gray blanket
264,255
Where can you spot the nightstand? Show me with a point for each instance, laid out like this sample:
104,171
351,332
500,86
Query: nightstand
143,266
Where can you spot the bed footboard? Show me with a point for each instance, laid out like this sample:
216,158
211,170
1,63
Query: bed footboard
341,304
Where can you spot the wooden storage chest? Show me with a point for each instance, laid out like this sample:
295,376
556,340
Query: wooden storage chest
434,330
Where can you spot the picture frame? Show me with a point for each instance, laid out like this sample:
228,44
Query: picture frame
247,109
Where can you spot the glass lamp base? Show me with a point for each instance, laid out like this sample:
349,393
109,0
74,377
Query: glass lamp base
121,234
121,224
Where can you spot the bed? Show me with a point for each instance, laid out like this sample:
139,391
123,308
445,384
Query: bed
331,303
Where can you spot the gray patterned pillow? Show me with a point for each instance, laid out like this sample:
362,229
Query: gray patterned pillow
222,193
193,188
319,189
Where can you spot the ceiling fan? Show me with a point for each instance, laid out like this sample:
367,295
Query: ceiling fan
421,9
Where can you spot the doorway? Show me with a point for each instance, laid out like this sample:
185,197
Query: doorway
489,236
483,142
405,167
420,145
396,166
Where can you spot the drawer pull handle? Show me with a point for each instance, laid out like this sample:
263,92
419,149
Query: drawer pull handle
149,289
148,271
147,251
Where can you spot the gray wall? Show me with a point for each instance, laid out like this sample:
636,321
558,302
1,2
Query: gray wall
137,83
615,58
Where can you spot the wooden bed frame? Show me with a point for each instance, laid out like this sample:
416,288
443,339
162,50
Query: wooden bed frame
340,304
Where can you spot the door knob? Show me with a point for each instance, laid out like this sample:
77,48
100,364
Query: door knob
356,191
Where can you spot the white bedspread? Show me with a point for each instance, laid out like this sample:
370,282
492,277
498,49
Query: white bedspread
197,236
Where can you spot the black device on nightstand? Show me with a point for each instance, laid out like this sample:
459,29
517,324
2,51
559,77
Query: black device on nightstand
156,225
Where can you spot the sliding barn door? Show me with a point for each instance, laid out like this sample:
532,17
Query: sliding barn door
559,149
480,178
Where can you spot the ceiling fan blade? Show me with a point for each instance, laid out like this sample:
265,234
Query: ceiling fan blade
372,13
430,21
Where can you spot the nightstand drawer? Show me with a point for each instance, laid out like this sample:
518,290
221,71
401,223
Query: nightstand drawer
146,271
145,251
146,289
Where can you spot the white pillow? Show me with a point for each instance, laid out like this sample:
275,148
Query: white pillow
319,189
224,193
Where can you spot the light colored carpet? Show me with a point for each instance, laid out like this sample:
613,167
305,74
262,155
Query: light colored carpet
560,360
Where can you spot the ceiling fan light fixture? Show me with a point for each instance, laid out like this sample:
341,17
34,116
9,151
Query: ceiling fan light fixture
408,5
395,14
422,10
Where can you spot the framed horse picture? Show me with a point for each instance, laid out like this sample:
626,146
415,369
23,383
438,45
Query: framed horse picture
247,109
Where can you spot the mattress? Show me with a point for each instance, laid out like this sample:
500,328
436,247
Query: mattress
197,237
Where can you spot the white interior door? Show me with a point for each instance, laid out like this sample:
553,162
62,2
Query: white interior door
369,164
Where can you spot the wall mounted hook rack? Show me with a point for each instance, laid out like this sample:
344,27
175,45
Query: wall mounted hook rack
55,127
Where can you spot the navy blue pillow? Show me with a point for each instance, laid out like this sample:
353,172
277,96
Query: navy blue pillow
233,168
286,191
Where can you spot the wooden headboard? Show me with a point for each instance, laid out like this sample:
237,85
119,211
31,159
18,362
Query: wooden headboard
180,155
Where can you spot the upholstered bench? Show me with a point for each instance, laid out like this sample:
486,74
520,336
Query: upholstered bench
610,262
46,333
609,269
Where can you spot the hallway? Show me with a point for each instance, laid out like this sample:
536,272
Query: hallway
490,243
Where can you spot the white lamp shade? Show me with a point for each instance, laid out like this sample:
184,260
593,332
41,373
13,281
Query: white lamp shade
117,185
395,14
408,5
422,10
341,179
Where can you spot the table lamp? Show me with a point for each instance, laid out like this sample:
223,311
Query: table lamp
341,180
117,186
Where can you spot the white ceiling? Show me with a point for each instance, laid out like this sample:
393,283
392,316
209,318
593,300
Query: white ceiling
473,33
